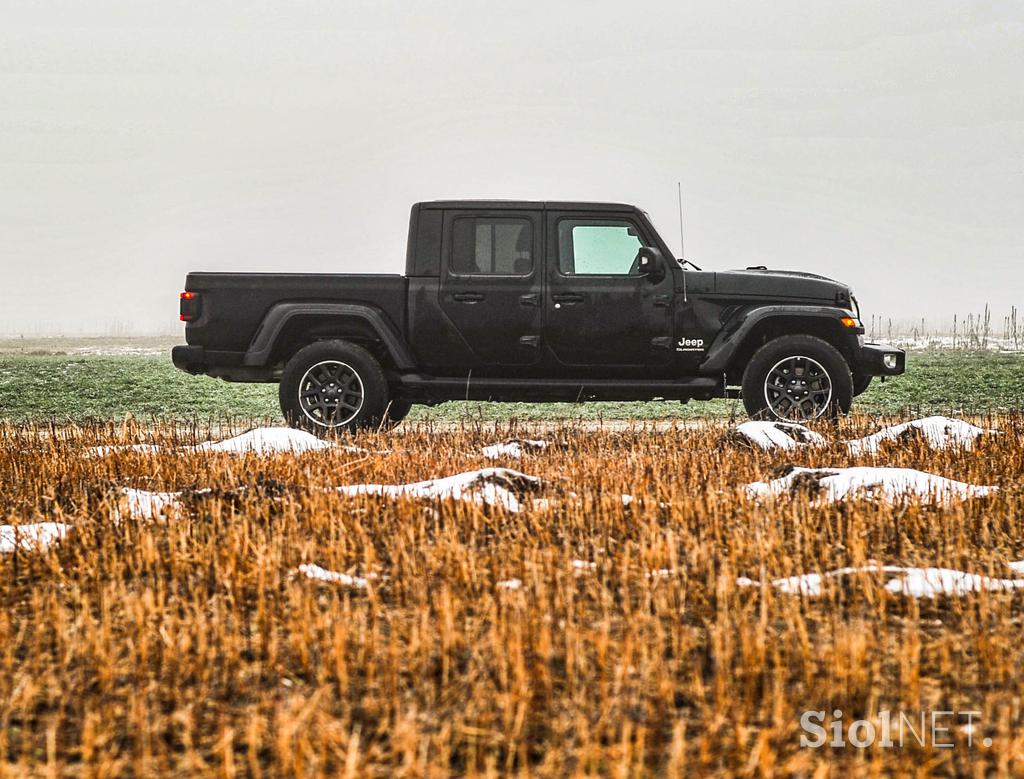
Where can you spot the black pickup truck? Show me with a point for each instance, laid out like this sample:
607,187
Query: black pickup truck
531,301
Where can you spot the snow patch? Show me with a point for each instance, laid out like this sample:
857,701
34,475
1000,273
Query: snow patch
268,440
890,484
142,504
35,536
510,584
583,566
103,451
661,573
913,582
932,582
261,441
778,435
317,573
500,487
514,449
936,432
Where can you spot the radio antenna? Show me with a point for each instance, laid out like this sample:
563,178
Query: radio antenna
682,251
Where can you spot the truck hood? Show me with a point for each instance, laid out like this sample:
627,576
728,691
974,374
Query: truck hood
781,284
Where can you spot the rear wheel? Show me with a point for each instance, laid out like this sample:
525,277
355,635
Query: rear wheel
797,378
333,386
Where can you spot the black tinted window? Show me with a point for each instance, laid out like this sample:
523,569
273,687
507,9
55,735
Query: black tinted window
492,246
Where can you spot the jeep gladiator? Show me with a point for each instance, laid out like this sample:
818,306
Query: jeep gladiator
531,301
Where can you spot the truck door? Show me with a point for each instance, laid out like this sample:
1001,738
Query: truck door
599,312
491,283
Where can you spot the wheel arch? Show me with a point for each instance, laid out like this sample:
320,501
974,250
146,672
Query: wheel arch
732,350
288,327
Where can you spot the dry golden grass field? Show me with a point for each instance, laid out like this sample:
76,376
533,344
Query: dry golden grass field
190,641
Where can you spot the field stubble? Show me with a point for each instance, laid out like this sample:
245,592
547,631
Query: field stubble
192,645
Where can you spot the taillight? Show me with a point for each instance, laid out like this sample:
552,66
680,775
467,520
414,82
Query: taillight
189,306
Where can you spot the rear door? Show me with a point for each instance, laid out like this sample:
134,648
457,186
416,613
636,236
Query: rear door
601,314
491,284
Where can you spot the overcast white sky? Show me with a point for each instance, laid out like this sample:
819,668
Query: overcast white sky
881,143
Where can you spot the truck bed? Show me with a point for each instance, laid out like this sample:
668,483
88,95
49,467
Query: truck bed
234,304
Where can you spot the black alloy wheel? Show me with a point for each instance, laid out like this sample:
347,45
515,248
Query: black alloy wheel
331,393
798,388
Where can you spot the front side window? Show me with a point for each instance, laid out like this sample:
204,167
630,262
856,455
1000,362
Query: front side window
492,246
597,247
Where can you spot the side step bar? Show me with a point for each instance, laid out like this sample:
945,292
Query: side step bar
451,388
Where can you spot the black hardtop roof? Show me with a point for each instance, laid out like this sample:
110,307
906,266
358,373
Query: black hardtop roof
547,205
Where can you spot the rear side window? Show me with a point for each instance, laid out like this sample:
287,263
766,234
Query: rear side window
492,246
597,247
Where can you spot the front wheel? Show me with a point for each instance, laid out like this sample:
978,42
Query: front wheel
797,378
333,386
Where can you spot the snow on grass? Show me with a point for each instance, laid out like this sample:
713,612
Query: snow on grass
103,451
268,440
777,435
261,441
913,582
514,449
932,582
936,432
35,536
501,487
510,584
661,573
890,484
317,573
142,504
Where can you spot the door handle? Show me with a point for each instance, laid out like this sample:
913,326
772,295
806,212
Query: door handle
529,341
568,297
661,300
533,299
468,297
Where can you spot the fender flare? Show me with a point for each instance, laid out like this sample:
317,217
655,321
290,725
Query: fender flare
730,339
280,314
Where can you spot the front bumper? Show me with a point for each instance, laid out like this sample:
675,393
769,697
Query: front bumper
882,360
191,359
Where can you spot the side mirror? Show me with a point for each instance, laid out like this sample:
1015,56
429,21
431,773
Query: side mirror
651,264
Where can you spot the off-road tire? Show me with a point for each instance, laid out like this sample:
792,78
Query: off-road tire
797,360
331,387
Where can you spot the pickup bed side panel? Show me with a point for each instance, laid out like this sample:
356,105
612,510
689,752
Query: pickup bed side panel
234,305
